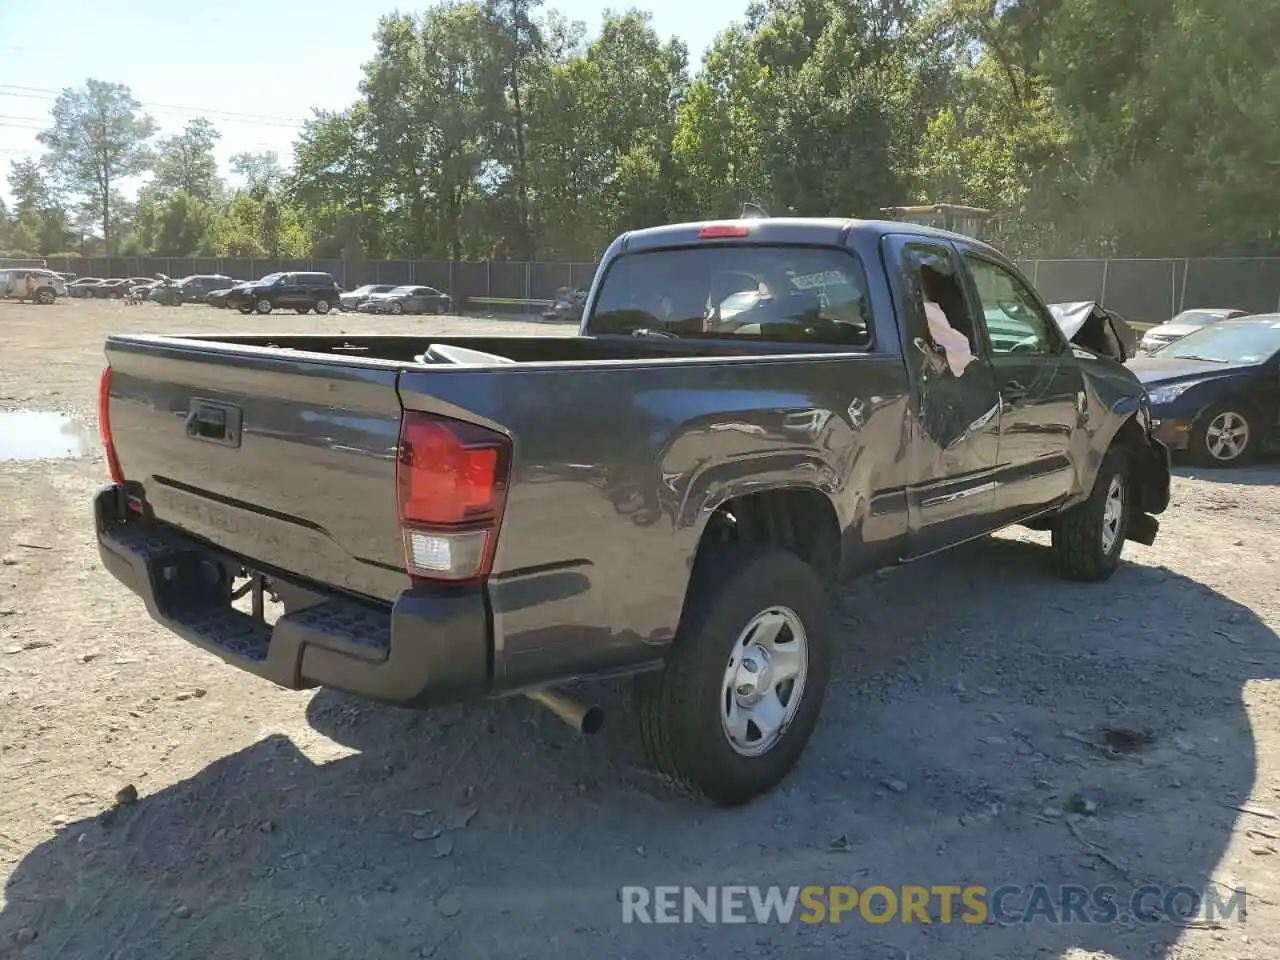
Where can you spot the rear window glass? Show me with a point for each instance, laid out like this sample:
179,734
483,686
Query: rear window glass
785,294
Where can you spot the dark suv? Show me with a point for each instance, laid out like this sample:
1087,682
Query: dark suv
302,292
191,289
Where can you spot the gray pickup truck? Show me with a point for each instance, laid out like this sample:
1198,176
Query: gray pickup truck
751,411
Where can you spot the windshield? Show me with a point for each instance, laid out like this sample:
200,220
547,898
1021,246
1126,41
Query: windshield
775,293
1228,343
1198,318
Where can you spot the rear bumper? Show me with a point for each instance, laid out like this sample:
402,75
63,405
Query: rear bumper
430,647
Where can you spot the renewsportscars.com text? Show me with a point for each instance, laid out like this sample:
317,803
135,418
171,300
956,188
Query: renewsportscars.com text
941,903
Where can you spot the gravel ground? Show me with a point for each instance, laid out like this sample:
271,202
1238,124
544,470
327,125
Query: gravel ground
964,741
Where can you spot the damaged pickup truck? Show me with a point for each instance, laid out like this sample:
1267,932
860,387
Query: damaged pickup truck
751,412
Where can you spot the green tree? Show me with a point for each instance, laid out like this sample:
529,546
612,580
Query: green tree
186,162
238,227
98,138
518,44
183,226
336,187
37,209
261,172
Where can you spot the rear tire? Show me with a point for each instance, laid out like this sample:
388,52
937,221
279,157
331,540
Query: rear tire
720,670
246,309
1089,538
323,307
45,297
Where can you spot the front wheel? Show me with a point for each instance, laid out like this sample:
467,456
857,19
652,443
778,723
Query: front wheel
1089,538
44,297
264,306
397,308
730,713
1222,437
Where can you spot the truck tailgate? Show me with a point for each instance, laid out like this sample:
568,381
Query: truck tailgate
288,461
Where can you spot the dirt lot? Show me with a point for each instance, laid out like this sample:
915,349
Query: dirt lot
278,824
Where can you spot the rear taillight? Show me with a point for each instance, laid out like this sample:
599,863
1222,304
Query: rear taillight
451,484
104,427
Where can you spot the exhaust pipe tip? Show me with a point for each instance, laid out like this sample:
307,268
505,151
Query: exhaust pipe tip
592,721
586,720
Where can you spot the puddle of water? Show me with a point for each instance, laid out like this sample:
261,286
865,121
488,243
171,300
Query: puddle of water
40,435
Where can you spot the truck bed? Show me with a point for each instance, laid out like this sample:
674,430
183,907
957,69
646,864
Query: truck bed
618,446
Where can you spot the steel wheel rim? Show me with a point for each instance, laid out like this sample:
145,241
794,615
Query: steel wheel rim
764,681
1227,436
1112,513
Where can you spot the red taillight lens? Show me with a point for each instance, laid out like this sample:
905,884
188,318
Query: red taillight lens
451,485
104,427
713,231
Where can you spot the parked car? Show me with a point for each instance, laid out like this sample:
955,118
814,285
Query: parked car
1184,323
566,306
82,287
407,299
352,299
218,298
1215,393
192,289
1092,326
31,283
711,481
302,292
110,289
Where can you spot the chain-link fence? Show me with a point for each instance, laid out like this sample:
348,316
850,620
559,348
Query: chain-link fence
1143,290
462,280
1154,290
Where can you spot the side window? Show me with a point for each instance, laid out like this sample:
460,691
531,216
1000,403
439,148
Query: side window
939,322
1015,321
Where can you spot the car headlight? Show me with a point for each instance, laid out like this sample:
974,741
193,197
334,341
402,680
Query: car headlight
1170,393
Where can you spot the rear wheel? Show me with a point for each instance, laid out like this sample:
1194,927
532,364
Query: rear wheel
1223,437
440,309
323,307
738,698
264,306
1089,538
45,297
246,309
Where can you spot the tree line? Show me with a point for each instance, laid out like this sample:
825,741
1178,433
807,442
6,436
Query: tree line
501,129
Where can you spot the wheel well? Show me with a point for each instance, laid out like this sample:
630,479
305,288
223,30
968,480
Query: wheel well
1130,435
797,519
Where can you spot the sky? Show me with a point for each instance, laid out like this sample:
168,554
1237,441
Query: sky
256,69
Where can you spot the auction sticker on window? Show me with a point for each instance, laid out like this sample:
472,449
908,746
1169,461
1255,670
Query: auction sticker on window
828,278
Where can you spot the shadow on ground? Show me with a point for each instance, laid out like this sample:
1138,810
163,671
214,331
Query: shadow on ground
950,741
1264,472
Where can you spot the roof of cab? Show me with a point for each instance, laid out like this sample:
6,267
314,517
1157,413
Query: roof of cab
817,230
